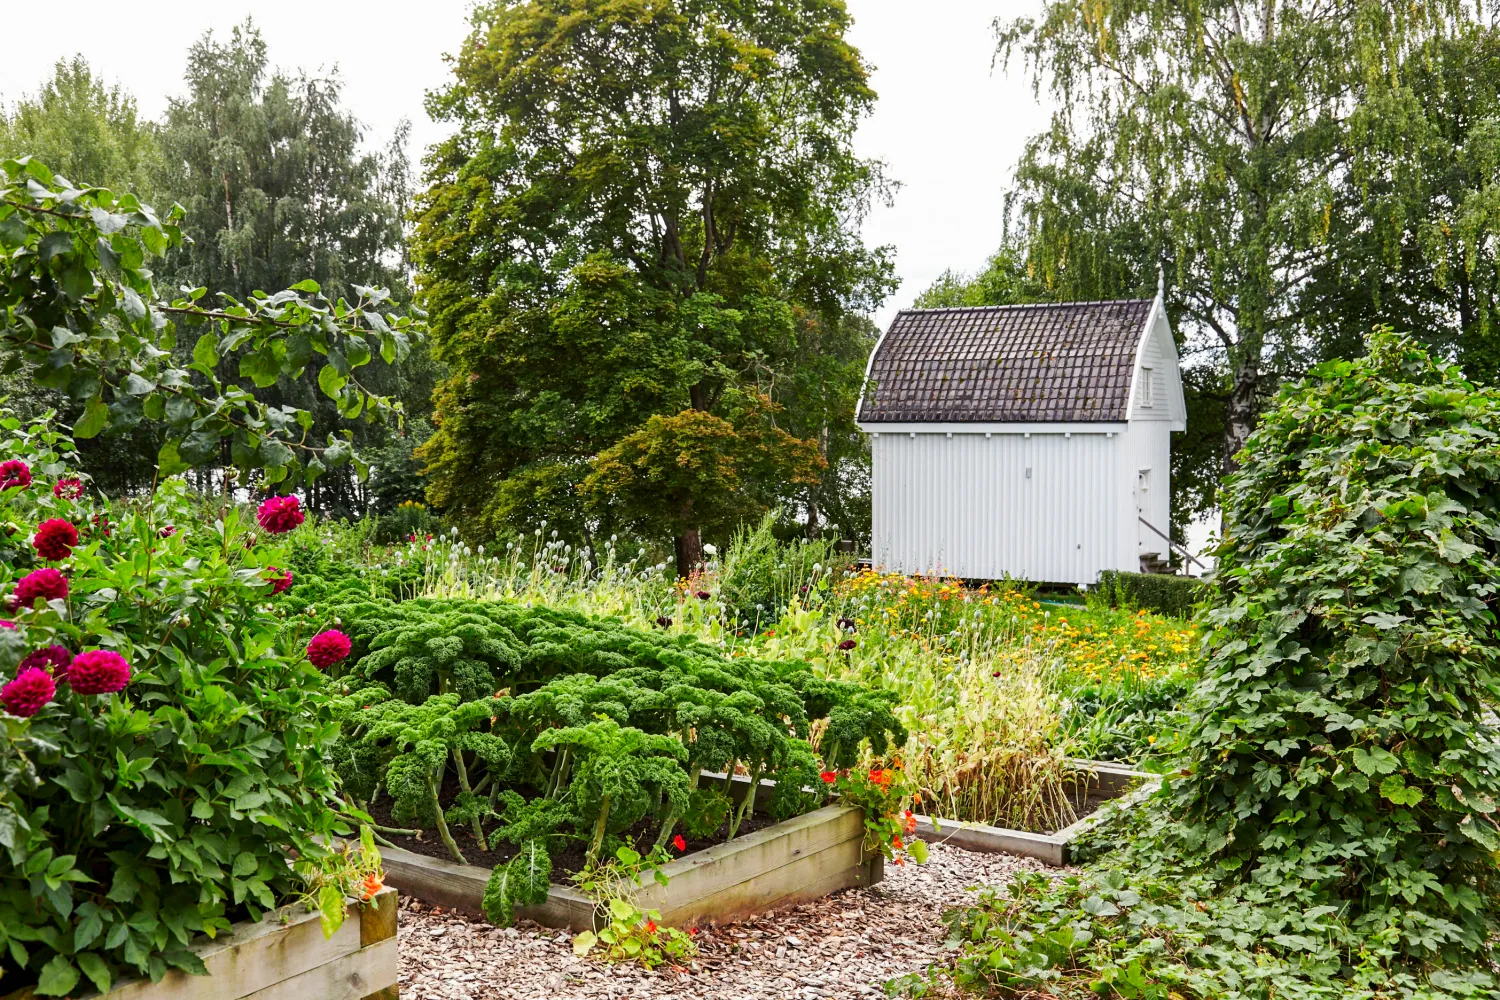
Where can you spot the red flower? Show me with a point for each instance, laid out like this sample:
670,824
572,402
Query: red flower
53,659
14,473
664,621
278,515
168,531
910,822
46,583
101,524
692,932
328,648
55,539
280,582
69,488
847,645
650,926
828,777
704,595
679,843
98,671
896,842
880,777
26,695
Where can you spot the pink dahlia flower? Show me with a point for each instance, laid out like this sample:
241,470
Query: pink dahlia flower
26,695
46,583
55,539
69,488
14,473
328,648
53,659
98,671
278,515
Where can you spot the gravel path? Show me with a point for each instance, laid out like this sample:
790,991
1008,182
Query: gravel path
845,945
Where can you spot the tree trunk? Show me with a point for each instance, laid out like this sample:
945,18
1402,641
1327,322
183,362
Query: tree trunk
1239,419
689,546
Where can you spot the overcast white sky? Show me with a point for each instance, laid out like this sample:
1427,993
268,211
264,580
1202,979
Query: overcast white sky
950,129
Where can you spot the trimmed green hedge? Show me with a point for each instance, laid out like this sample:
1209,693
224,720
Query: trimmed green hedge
1167,595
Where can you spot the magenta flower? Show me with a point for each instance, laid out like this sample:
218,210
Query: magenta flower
328,648
53,659
7,624
46,583
847,645
14,473
26,695
278,515
55,539
281,581
98,671
68,488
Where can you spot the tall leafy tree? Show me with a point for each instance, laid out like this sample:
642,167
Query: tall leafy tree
84,130
1222,133
647,207
278,190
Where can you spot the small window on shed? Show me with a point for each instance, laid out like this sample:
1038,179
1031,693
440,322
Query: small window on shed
1148,388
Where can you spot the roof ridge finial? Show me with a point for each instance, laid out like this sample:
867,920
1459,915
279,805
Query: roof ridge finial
1160,282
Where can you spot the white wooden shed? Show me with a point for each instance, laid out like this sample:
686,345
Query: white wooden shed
1031,442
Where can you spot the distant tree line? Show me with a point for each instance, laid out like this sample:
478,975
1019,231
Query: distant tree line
278,188
1300,172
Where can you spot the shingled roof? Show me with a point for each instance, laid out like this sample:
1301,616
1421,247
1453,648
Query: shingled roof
1066,362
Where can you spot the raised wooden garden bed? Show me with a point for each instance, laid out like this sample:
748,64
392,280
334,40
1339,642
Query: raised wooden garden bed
1100,780
269,960
791,862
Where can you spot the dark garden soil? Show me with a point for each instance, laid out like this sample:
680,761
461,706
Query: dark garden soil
569,861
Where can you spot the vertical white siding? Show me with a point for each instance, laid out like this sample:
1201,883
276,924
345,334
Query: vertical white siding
963,505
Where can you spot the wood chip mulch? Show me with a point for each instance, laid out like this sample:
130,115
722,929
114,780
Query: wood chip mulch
845,945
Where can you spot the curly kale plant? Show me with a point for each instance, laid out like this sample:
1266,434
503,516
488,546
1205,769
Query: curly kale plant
589,728
1330,829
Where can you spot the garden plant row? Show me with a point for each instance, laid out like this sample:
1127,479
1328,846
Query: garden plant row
539,732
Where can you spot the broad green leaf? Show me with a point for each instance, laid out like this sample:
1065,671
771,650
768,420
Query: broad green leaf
95,418
58,978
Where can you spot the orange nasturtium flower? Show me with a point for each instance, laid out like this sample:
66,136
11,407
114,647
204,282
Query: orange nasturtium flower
372,886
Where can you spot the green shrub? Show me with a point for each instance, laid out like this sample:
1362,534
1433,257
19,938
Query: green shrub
1329,826
1160,592
131,822
763,575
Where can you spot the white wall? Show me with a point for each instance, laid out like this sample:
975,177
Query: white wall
964,505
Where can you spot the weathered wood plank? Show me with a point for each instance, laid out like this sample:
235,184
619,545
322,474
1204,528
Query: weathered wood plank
352,977
723,866
809,876
822,849
378,921
253,957
1045,847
